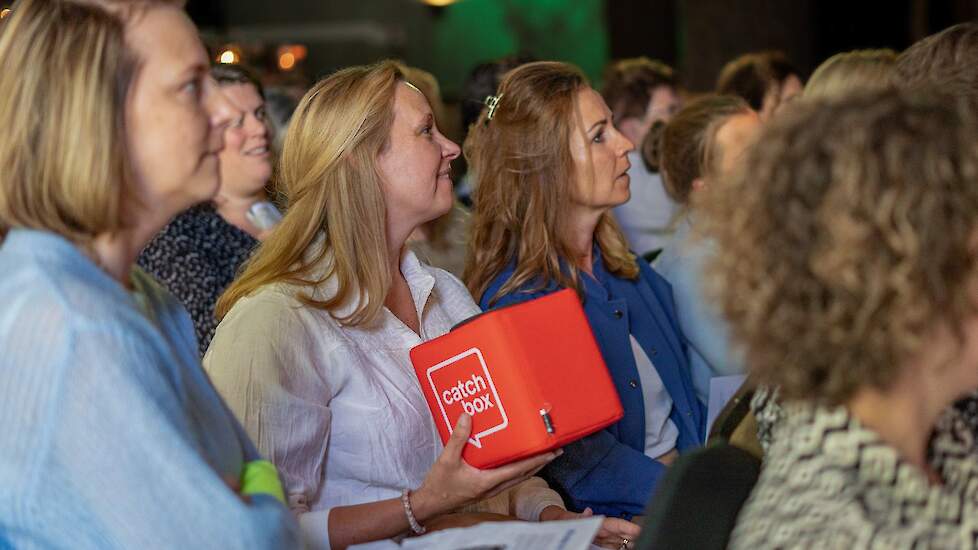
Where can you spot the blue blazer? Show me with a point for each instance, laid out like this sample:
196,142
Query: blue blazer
608,471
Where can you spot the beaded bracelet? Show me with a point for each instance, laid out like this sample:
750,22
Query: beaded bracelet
412,521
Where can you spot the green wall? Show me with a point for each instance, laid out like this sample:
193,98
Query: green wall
473,31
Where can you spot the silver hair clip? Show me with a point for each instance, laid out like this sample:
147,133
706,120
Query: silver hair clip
492,101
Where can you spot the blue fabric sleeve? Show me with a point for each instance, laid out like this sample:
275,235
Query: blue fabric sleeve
617,479
116,462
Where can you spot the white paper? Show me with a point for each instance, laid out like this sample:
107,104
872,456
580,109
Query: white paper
722,388
505,535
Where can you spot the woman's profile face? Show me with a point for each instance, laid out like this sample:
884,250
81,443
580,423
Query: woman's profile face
246,164
416,164
175,113
600,155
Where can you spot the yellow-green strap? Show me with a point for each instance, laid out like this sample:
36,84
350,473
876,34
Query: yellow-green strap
261,478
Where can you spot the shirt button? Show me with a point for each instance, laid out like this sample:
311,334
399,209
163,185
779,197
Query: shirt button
654,352
618,314
633,383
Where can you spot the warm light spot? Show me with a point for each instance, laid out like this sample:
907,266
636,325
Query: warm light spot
4,12
228,57
286,61
439,3
289,56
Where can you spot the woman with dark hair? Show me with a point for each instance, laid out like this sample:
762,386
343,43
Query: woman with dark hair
766,80
551,165
197,255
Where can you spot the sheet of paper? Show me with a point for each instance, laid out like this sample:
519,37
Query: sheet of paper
722,388
507,535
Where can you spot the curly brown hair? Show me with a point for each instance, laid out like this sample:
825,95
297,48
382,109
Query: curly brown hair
849,235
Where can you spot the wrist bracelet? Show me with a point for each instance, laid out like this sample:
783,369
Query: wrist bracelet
412,521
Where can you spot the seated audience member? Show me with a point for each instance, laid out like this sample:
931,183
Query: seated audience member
858,71
640,93
847,259
945,62
197,255
312,353
481,83
112,436
551,165
280,103
441,242
765,80
701,148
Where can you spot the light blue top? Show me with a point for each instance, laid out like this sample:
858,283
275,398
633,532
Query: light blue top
111,434
682,263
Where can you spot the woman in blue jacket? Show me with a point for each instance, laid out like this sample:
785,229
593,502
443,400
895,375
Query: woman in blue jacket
550,165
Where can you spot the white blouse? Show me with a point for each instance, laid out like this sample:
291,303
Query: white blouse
338,409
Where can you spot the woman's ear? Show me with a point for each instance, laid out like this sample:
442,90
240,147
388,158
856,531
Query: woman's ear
699,184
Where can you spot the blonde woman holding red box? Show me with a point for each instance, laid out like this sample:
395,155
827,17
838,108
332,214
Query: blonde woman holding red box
312,353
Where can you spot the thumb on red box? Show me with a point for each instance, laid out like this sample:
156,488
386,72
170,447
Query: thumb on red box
460,435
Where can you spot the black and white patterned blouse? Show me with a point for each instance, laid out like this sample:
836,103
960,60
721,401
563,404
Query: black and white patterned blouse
829,482
196,257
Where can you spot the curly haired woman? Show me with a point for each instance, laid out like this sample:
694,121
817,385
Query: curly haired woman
849,274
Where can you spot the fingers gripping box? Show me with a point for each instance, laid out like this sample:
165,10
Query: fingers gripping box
531,375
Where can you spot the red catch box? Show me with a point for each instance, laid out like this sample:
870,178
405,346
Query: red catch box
531,375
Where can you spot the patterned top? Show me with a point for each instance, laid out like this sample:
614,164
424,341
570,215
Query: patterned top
829,482
196,257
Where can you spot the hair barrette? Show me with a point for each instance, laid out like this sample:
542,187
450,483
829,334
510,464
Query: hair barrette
492,101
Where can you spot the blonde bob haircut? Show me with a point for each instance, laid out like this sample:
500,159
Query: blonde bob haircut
851,72
524,183
332,186
848,240
63,156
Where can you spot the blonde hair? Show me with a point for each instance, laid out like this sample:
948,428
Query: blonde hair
524,182
849,72
330,179
848,238
63,156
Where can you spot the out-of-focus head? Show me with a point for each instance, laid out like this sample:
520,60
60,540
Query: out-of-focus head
766,80
483,81
704,143
362,154
130,124
858,71
427,84
550,149
846,249
640,91
246,161
943,63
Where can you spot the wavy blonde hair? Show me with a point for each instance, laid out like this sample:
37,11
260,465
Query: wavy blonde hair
850,72
332,185
66,74
524,180
849,236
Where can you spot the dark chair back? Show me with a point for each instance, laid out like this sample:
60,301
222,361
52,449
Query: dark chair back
698,500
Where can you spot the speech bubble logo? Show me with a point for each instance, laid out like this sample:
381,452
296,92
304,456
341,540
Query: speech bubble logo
462,384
